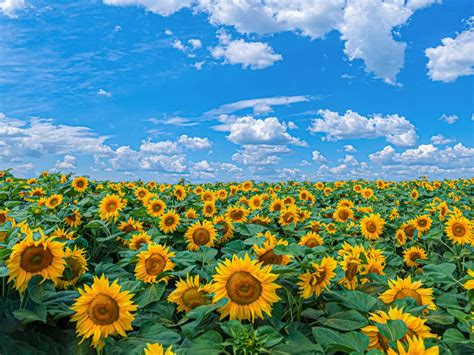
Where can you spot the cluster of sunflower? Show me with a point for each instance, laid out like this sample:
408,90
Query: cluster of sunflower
158,268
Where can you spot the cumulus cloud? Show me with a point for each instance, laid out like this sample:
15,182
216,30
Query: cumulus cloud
69,162
194,143
260,155
439,139
453,58
253,55
248,130
394,128
349,148
318,157
162,7
105,93
10,7
449,119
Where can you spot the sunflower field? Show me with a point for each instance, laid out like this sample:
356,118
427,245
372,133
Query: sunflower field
235,268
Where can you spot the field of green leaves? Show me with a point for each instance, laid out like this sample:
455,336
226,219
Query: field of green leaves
235,268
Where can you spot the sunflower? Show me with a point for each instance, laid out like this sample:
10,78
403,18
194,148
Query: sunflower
469,284
54,201
130,226
342,214
414,345
331,228
103,309
227,228
4,215
373,265
191,214
276,205
266,254
209,209
351,265
156,208
138,240
414,194
411,255
74,219
403,288
79,184
110,207
189,294
249,288
288,215
459,230
169,221
345,203
152,262
157,349
367,193
60,233
311,240
31,257
372,226
236,214
76,266
442,210
200,233
37,191
179,192
422,223
141,193
400,237
315,226
415,326
316,281
255,202
208,196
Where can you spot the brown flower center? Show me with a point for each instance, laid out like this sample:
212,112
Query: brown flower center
404,293
371,227
459,230
243,288
409,231
351,271
103,310
317,277
236,215
193,298
415,255
344,215
128,228
36,258
111,206
311,243
269,257
156,207
155,264
422,222
169,221
201,236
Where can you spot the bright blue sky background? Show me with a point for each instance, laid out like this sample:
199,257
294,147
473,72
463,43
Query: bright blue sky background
126,71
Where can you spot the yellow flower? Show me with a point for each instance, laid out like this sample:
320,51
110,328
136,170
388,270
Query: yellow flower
110,207
315,282
169,221
130,226
276,205
138,240
403,288
79,184
76,263
412,254
73,220
288,215
311,240
469,285
343,214
266,255
31,257
152,262
372,226
227,228
422,223
255,202
459,230
414,194
141,193
189,294
367,193
415,326
236,214
249,288
351,265
156,208
157,349
331,228
209,209
200,233
54,201
103,309
179,192
191,213
415,346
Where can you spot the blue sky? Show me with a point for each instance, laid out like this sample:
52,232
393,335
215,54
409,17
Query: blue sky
257,89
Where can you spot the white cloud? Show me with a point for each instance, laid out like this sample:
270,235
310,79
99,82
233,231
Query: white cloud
349,148
194,143
161,7
394,128
253,55
168,32
195,43
449,119
163,147
102,92
22,168
318,157
384,155
117,28
439,139
453,58
69,162
260,155
199,65
248,130
10,7
177,44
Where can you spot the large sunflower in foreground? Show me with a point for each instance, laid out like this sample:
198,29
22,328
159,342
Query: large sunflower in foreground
459,230
31,257
371,226
152,262
110,207
103,309
200,233
169,221
157,349
189,294
316,281
249,288
415,326
414,346
404,288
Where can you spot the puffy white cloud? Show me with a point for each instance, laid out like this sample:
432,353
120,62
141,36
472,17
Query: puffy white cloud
163,147
161,7
453,58
105,93
177,44
449,119
10,7
194,143
260,155
195,43
318,157
349,148
439,139
69,162
394,128
384,155
253,55
199,65
248,130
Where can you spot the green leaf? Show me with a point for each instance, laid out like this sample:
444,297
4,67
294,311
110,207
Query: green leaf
269,336
156,333
355,300
439,272
312,313
39,289
350,320
325,336
27,316
393,329
454,336
151,294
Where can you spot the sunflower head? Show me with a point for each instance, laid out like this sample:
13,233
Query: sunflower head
459,230
267,256
152,262
372,226
79,184
157,349
311,240
138,240
76,266
110,207
200,233
189,294
74,219
169,221
237,214
405,288
156,207
411,255
343,214
316,280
